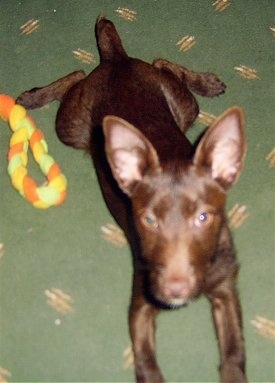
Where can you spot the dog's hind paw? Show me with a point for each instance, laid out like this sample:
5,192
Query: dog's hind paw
205,84
213,85
29,99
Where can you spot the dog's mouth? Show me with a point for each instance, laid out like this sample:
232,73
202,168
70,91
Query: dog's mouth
175,303
172,302
165,303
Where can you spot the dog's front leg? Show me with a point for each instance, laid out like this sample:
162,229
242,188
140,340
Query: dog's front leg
142,316
228,322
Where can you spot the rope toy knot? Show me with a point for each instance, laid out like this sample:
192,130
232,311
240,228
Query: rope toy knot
25,134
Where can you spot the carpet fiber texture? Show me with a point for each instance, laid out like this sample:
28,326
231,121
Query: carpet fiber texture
65,272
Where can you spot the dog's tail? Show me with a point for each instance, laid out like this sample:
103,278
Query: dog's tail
108,41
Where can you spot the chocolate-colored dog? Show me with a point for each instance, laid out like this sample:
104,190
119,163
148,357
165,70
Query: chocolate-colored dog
168,198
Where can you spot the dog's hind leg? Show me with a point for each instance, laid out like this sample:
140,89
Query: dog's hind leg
181,102
37,97
203,83
73,117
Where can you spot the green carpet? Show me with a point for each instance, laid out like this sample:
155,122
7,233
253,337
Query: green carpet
65,286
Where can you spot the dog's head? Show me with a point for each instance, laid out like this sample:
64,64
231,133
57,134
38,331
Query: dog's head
178,206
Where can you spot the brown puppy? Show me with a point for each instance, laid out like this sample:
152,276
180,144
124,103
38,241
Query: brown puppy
168,198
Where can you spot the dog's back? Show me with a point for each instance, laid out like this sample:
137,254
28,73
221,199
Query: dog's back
140,93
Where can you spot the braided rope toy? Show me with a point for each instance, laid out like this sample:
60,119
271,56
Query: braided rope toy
25,134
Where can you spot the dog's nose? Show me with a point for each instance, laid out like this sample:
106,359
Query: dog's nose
177,288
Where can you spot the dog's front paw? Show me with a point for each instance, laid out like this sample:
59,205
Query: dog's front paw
231,373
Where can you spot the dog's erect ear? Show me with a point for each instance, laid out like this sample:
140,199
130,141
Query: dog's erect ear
223,147
129,153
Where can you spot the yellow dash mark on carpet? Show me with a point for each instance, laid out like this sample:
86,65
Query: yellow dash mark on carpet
29,27
1,249
59,300
265,327
4,374
271,158
221,5
206,118
237,215
84,56
126,13
128,357
246,72
186,43
113,234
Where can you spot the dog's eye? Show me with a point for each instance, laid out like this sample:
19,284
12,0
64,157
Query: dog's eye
150,221
204,219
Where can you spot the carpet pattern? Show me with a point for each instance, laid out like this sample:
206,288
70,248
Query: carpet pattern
65,272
